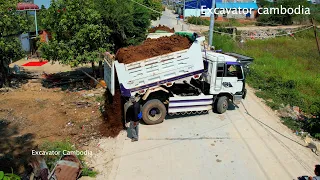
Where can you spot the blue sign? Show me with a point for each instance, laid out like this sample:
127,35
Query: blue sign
196,4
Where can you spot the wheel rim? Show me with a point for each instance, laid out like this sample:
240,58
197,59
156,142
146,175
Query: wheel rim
154,114
225,105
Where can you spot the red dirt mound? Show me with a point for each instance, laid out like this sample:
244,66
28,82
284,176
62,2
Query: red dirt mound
152,47
162,28
113,116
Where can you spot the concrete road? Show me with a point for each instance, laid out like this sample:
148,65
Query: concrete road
234,145
169,19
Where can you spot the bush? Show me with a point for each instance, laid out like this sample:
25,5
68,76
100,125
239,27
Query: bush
198,21
60,146
223,42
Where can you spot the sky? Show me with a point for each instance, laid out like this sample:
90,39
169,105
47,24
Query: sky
46,3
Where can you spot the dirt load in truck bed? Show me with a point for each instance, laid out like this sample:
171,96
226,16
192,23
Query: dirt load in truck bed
161,28
152,47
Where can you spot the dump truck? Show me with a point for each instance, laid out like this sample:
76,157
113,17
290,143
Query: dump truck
189,81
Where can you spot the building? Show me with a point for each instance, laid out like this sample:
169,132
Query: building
239,10
224,8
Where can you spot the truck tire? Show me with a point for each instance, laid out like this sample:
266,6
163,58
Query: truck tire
153,112
222,104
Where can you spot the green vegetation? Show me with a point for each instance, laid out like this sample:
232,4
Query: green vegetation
84,29
284,19
285,70
61,146
198,21
8,176
11,24
233,23
230,23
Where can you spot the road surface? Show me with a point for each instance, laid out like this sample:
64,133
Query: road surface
234,145
248,142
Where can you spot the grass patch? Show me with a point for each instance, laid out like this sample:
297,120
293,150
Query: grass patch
198,21
100,99
61,146
285,70
233,23
292,124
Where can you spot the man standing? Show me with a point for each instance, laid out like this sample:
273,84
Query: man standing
134,124
316,172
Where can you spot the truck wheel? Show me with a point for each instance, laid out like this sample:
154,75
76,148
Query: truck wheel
153,112
222,104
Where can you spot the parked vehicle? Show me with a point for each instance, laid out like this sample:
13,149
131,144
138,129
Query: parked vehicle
188,81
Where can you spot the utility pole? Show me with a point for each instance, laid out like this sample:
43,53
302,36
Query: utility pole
184,10
211,23
315,34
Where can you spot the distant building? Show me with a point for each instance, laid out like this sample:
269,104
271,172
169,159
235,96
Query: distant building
193,8
241,11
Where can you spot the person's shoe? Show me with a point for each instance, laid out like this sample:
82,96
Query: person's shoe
133,140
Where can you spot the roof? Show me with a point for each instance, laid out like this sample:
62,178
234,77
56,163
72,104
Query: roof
27,6
220,5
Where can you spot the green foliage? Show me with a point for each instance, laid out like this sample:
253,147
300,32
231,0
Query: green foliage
56,146
313,126
8,176
83,29
224,42
129,21
61,146
315,12
89,172
11,24
198,21
292,124
285,19
285,70
79,36
155,5
264,3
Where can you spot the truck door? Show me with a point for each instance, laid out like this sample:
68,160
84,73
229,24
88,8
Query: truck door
109,75
234,78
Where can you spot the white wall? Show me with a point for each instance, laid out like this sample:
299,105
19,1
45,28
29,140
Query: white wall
195,12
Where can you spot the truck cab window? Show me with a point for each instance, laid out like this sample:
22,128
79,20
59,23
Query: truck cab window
220,69
234,71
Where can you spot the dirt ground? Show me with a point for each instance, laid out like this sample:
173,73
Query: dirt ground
162,28
33,114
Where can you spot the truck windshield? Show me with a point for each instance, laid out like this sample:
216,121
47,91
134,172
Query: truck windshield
234,71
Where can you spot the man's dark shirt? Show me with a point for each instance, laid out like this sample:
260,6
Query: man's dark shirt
136,111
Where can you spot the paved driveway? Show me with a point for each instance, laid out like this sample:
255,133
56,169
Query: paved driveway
234,145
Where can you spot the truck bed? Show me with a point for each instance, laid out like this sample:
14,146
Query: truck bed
139,76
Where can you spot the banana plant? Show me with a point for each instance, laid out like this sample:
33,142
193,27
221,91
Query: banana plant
8,176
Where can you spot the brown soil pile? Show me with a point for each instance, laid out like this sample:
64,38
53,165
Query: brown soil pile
152,47
112,125
162,28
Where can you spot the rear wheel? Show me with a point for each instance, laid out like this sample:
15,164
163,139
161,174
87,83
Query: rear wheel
222,104
153,112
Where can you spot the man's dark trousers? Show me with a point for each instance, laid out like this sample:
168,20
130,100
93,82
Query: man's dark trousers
134,124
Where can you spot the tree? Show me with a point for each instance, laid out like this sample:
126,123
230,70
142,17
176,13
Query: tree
285,19
11,24
83,29
79,35
129,20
